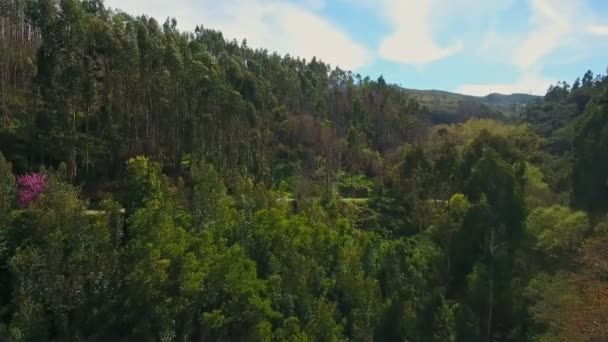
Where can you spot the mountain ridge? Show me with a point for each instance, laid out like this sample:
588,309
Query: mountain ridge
445,106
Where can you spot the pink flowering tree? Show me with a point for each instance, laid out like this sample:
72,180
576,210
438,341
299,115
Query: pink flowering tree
30,186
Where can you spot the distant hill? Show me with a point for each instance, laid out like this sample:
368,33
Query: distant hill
447,107
509,103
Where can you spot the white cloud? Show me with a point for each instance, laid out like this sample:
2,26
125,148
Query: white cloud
553,25
416,25
535,47
275,25
528,83
559,30
412,40
552,22
600,30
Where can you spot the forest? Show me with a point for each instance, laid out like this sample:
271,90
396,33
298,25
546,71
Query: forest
160,185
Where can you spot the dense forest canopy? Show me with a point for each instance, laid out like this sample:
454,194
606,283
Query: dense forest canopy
160,185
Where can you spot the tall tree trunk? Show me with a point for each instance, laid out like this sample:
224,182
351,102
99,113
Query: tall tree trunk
73,166
491,285
87,142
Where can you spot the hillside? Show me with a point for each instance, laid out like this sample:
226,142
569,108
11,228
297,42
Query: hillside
514,102
160,185
445,105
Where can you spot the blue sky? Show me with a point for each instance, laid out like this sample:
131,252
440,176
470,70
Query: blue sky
470,46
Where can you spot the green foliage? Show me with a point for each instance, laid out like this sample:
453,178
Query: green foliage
464,134
104,87
63,263
269,198
494,180
559,230
446,107
210,204
355,186
538,192
7,187
143,181
552,295
459,205
589,188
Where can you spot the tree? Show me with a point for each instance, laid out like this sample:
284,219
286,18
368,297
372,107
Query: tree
7,248
576,84
415,305
573,305
558,230
204,141
157,242
589,180
458,207
588,79
7,187
63,264
497,218
143,180
381,81
211,206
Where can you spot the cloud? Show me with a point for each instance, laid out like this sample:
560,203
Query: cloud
552,23
550,27
276,25
558,32
527,83
417,25
412,41
600,30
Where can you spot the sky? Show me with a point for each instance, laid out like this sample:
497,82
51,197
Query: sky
473,47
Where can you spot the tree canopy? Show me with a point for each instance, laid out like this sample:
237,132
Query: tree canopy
160,185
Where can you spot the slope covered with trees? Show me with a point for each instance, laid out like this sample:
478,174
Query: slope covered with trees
447,107
158,185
